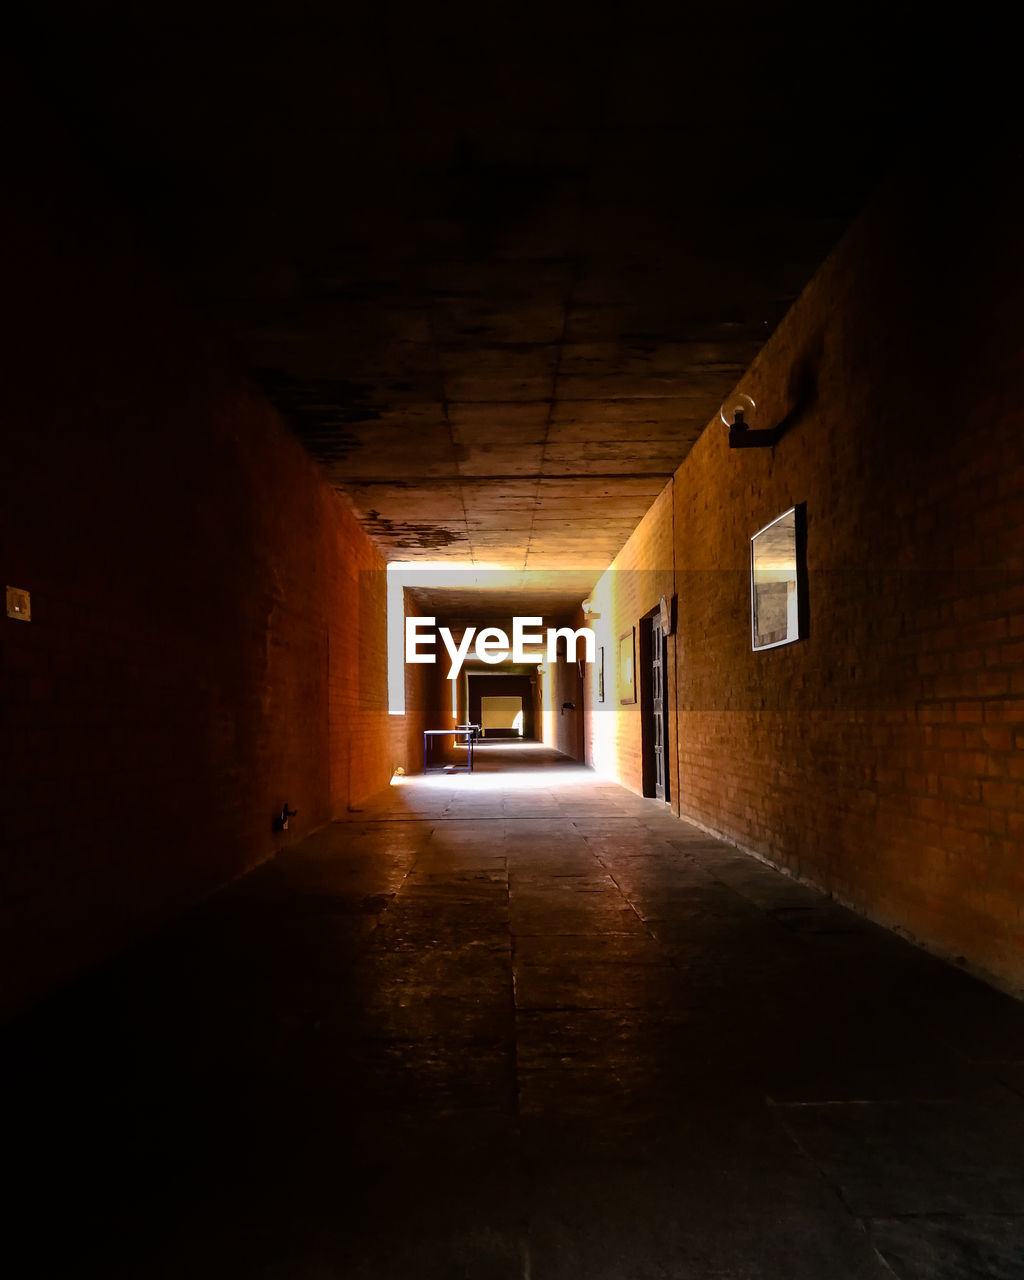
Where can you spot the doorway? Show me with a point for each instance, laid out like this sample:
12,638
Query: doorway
654,706
509,698
501,717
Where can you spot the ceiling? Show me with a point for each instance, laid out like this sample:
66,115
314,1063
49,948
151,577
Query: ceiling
486,602
497,268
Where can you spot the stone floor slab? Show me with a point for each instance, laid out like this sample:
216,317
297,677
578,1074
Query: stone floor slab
517,1023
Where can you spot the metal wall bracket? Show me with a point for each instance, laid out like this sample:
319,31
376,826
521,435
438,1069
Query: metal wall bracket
744,438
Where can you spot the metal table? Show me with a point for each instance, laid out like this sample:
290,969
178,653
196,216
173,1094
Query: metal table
466,732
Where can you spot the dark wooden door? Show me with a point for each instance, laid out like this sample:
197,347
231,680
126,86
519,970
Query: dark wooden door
658,716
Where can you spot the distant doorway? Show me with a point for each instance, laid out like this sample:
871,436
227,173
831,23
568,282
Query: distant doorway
501,717
509,702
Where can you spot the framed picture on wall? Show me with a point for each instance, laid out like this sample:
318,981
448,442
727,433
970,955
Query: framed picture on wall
778,581
627,666
600,673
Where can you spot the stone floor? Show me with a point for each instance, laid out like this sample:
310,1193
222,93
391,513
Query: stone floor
520,1024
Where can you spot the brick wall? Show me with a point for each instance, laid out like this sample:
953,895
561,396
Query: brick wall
425,701
208,618
883,756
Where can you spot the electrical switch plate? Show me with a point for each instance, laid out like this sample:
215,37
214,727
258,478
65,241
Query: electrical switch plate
19,605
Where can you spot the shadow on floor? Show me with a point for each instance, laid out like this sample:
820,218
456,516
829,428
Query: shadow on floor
517,1024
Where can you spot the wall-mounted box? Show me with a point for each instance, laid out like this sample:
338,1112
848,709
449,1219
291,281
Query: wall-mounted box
19,604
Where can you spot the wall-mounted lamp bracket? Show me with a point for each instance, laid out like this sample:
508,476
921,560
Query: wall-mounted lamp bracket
737,413
281,819
741,437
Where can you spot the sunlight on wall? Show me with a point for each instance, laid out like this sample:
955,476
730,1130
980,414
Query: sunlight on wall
396,641
546,703
605,716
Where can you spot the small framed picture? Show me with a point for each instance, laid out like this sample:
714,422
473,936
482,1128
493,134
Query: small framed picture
778,581
600,673
627,666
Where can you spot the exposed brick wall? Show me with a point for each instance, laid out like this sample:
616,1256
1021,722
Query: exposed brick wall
356,603
424,700
883,756
207,633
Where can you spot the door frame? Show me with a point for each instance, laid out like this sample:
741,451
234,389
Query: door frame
648,769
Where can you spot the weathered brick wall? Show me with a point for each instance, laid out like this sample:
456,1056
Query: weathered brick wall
207,633
425,699
883,756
